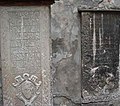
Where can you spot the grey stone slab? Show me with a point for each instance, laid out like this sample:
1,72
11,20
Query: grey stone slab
25,56
100,56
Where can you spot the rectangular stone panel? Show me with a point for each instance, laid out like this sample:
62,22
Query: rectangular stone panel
25,59
100,55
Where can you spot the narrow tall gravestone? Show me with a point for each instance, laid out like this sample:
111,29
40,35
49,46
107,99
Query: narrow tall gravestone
24,33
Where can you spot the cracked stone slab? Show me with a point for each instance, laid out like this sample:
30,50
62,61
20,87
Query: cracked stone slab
25,56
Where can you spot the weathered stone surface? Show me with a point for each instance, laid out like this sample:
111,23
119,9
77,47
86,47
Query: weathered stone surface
25,56
66,53
100,52
65,30
97,104
65,35
1,99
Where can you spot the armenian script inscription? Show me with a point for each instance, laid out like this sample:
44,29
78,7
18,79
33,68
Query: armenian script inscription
25,40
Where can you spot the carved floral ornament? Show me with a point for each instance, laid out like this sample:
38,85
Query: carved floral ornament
27,88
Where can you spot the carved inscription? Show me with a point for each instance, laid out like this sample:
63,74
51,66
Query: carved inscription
100,54
25,40
25,55
27,88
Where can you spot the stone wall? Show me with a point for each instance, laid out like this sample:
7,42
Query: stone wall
65,63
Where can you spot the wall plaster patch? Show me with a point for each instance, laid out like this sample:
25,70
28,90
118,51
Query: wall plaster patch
27,88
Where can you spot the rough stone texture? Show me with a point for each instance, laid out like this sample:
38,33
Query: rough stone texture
100,52
1,101
65,64
25,56
66,55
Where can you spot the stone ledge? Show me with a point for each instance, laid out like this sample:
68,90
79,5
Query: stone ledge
97,10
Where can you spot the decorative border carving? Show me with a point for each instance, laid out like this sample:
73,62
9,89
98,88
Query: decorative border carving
27,88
